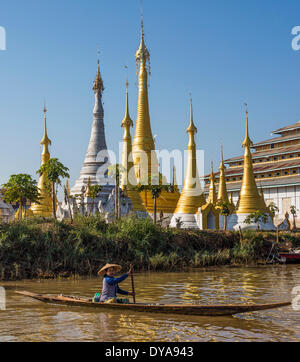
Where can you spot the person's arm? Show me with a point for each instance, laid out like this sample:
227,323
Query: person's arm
122,292
115,281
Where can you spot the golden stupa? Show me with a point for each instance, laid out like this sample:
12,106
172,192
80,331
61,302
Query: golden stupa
250,200
192,197
143,147
222,192
128,181
44,208
212,196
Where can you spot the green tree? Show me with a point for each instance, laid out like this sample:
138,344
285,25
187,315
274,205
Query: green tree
94,192
21,188
293,210
156,187
257,217
54,172
273,208
224,211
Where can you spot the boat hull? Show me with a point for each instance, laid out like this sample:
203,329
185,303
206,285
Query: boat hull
287,258
189,309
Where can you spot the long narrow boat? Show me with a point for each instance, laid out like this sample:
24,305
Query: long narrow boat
186,309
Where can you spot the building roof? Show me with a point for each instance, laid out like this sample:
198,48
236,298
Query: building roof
264,183
261,168
268,153
278,140
288,128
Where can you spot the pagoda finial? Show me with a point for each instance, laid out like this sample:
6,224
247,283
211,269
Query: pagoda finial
247,142
127,121
98,83
45,141
192,128
142,54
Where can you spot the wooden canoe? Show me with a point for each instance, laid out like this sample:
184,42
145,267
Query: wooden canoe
188,309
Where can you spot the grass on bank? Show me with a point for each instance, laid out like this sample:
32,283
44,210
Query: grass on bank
40,248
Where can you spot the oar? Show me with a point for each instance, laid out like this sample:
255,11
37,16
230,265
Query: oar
132,285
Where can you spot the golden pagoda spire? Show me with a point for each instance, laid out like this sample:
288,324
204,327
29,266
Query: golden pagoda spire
212,197
143,143
88,188
222,193
192,197
128,180
44,207
250,200
45,142
98,83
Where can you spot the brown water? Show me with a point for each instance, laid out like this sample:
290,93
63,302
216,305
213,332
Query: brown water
30,320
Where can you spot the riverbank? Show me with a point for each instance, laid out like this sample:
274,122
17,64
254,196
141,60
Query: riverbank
38,248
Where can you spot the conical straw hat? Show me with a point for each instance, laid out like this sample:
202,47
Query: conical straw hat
107,266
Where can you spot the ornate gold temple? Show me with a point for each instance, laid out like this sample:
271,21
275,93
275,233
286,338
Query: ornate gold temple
44,208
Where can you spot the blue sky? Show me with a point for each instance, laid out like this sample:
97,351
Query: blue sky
225,52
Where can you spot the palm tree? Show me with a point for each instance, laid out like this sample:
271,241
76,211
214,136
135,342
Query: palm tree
293,210
224,211
257,217
156,187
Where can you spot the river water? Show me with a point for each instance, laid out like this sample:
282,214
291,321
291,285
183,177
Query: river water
29,320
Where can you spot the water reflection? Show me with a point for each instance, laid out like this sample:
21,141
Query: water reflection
29,320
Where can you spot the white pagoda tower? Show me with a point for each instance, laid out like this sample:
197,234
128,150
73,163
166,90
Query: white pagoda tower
96,163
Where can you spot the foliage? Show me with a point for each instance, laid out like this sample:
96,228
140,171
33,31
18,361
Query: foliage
273,208
257,217
20,188
224,208
38,248
155,185
94,191
54,170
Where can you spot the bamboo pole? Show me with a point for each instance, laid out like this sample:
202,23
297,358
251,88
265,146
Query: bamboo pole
132,285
